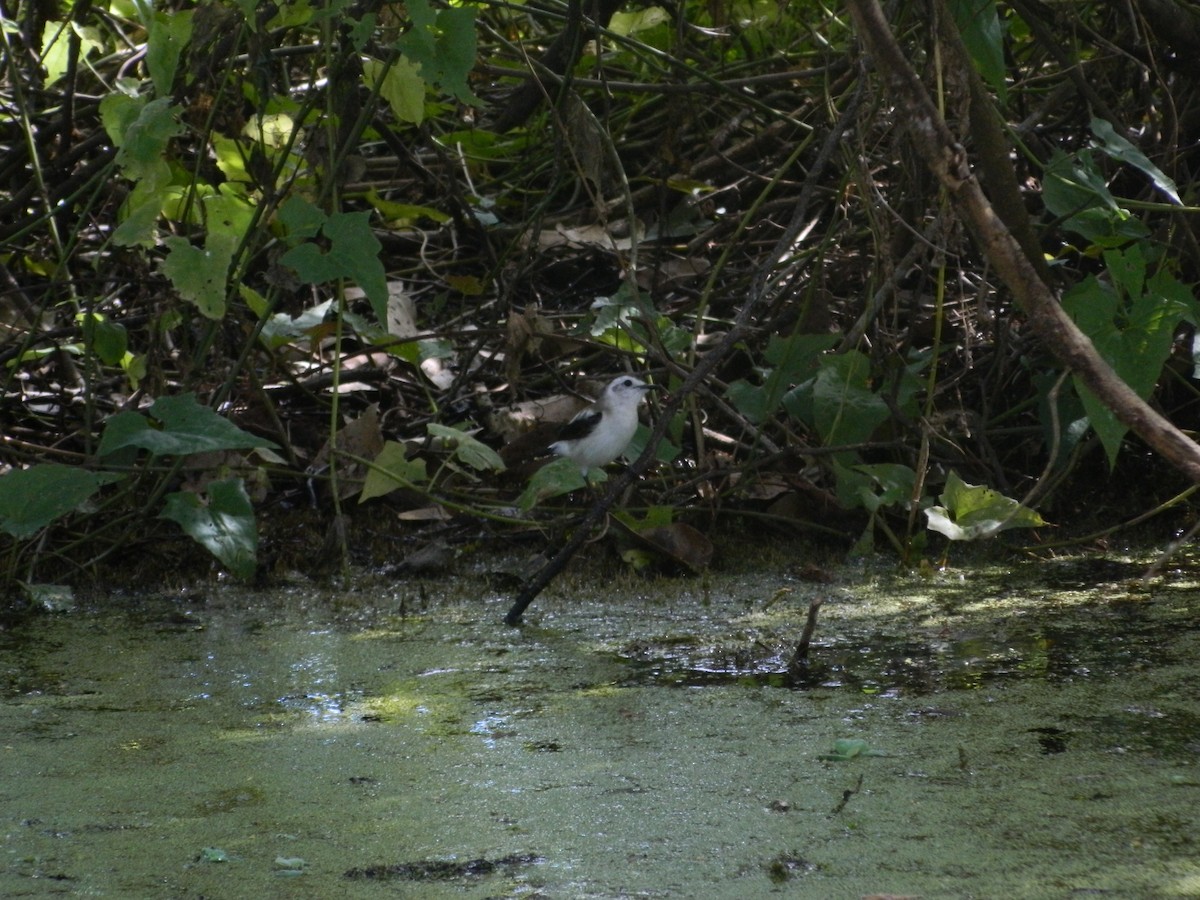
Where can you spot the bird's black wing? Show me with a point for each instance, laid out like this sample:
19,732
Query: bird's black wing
580,426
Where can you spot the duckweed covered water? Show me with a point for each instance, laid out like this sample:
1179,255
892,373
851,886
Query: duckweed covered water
1027,733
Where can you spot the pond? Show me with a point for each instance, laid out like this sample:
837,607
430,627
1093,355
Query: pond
1026,730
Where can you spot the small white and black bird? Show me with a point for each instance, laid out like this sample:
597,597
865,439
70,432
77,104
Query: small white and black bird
600,433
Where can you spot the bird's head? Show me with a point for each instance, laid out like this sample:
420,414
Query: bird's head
625,390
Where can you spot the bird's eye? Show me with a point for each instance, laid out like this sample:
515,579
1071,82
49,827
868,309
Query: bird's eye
627,382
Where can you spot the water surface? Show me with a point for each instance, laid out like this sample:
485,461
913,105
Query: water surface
1031,731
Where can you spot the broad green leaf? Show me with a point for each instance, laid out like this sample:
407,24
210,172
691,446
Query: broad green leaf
30,499
302,219
56,47
224,525
228,211
108,339
981,31
360,29
893,485
970,512
477,455
139,215
558,477
142,145
793,359
169,34
392,470
1122,150
750,400
665,452
402,87
200,275
1074,189
118,111
845,408
443,44
1131,319
146,138
353,251
184,427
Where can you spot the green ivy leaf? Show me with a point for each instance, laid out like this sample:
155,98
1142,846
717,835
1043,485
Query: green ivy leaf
224,525
30,499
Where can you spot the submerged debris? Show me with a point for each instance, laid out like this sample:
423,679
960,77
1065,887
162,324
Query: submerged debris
442,869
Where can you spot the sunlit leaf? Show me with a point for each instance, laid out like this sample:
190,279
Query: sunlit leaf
402,213
224,525
1122,150
56,47
170,33
971,512
200,274
142,140
401,86
627,23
